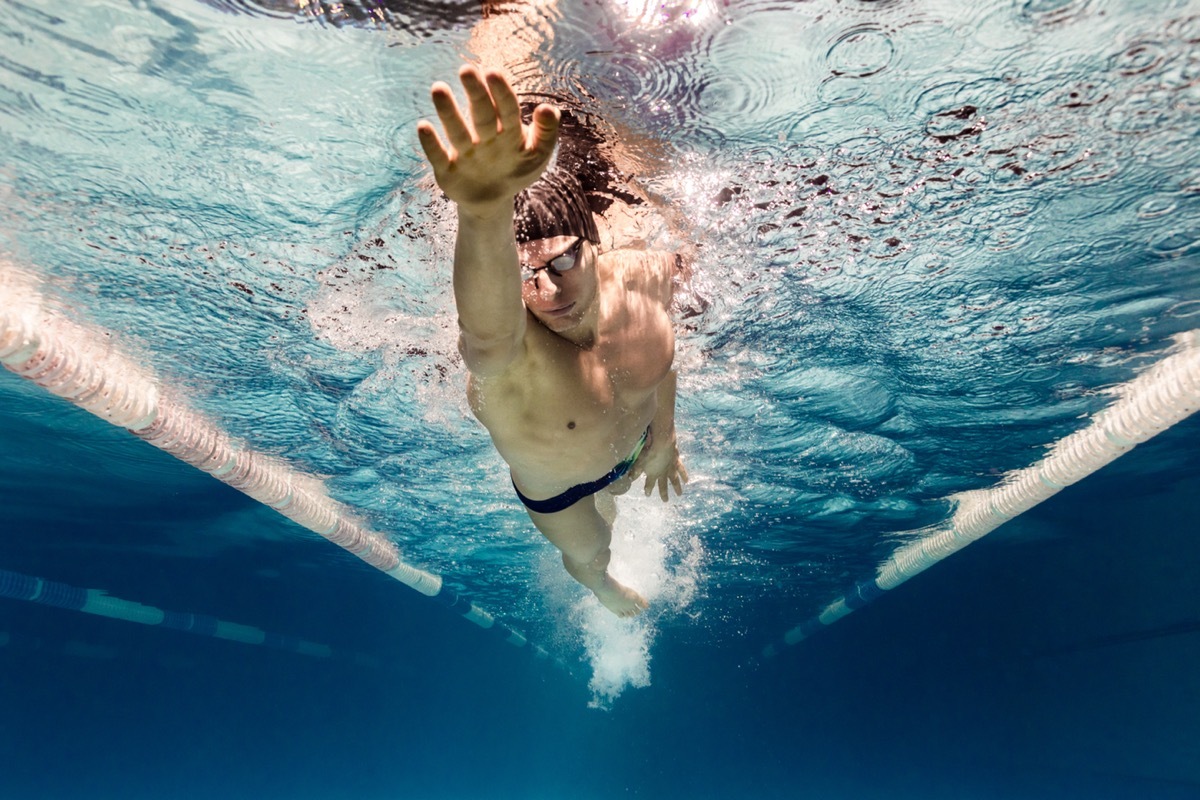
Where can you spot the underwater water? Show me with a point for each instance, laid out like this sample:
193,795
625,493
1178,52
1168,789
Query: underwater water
930,239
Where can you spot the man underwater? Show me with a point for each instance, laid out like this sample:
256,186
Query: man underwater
569,350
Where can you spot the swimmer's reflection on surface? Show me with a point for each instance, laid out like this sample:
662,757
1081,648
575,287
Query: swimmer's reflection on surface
569,349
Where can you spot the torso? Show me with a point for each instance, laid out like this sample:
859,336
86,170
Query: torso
562,414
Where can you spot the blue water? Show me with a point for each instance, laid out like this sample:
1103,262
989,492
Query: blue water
929,240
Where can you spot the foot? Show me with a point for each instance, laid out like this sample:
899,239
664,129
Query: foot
620,599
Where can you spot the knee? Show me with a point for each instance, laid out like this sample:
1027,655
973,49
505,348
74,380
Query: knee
593,557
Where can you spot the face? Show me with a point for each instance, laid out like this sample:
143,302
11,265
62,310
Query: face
559,279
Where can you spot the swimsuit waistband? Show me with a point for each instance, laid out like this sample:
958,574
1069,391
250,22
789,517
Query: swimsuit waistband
576,493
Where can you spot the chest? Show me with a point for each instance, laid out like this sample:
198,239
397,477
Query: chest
560,386
633,351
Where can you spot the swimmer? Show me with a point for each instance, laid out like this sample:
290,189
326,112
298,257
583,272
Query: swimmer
569,350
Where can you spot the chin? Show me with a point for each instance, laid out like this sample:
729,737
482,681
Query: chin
560,323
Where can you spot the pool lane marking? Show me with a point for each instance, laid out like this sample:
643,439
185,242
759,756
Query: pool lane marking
1164,395
83,367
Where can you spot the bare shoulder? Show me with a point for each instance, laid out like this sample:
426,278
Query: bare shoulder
648,272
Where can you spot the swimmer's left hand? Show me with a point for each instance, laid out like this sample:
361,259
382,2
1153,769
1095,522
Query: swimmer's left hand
662,466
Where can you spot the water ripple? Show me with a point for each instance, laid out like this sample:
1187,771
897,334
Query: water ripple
861,52
1056,12
1138,57
1137,114
1078,92
1177,243
746,84
835,90
1158,205
419,19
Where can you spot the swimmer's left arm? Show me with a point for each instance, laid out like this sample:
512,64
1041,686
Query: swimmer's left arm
662,465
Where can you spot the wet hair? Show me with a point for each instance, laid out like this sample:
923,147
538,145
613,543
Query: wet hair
554,206
589,178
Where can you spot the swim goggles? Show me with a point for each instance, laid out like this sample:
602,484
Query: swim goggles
557,265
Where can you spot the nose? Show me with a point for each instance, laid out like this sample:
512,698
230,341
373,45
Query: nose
545,285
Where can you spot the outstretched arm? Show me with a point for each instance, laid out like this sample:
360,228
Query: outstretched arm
481,166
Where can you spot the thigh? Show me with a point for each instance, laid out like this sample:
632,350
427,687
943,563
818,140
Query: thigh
580,532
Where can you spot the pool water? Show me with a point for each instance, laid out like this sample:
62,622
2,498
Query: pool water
930,240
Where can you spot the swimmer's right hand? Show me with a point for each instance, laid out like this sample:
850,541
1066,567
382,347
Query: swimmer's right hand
486,162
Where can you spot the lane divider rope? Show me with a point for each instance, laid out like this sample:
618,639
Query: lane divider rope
17,586
1162,396
68,361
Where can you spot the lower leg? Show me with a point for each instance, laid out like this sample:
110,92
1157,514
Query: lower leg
594,574
613,595
583,534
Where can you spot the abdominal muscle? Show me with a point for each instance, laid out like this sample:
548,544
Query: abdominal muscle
559,418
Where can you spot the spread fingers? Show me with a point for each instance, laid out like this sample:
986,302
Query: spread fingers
451,116
431,143
483,110
506,102
544,131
